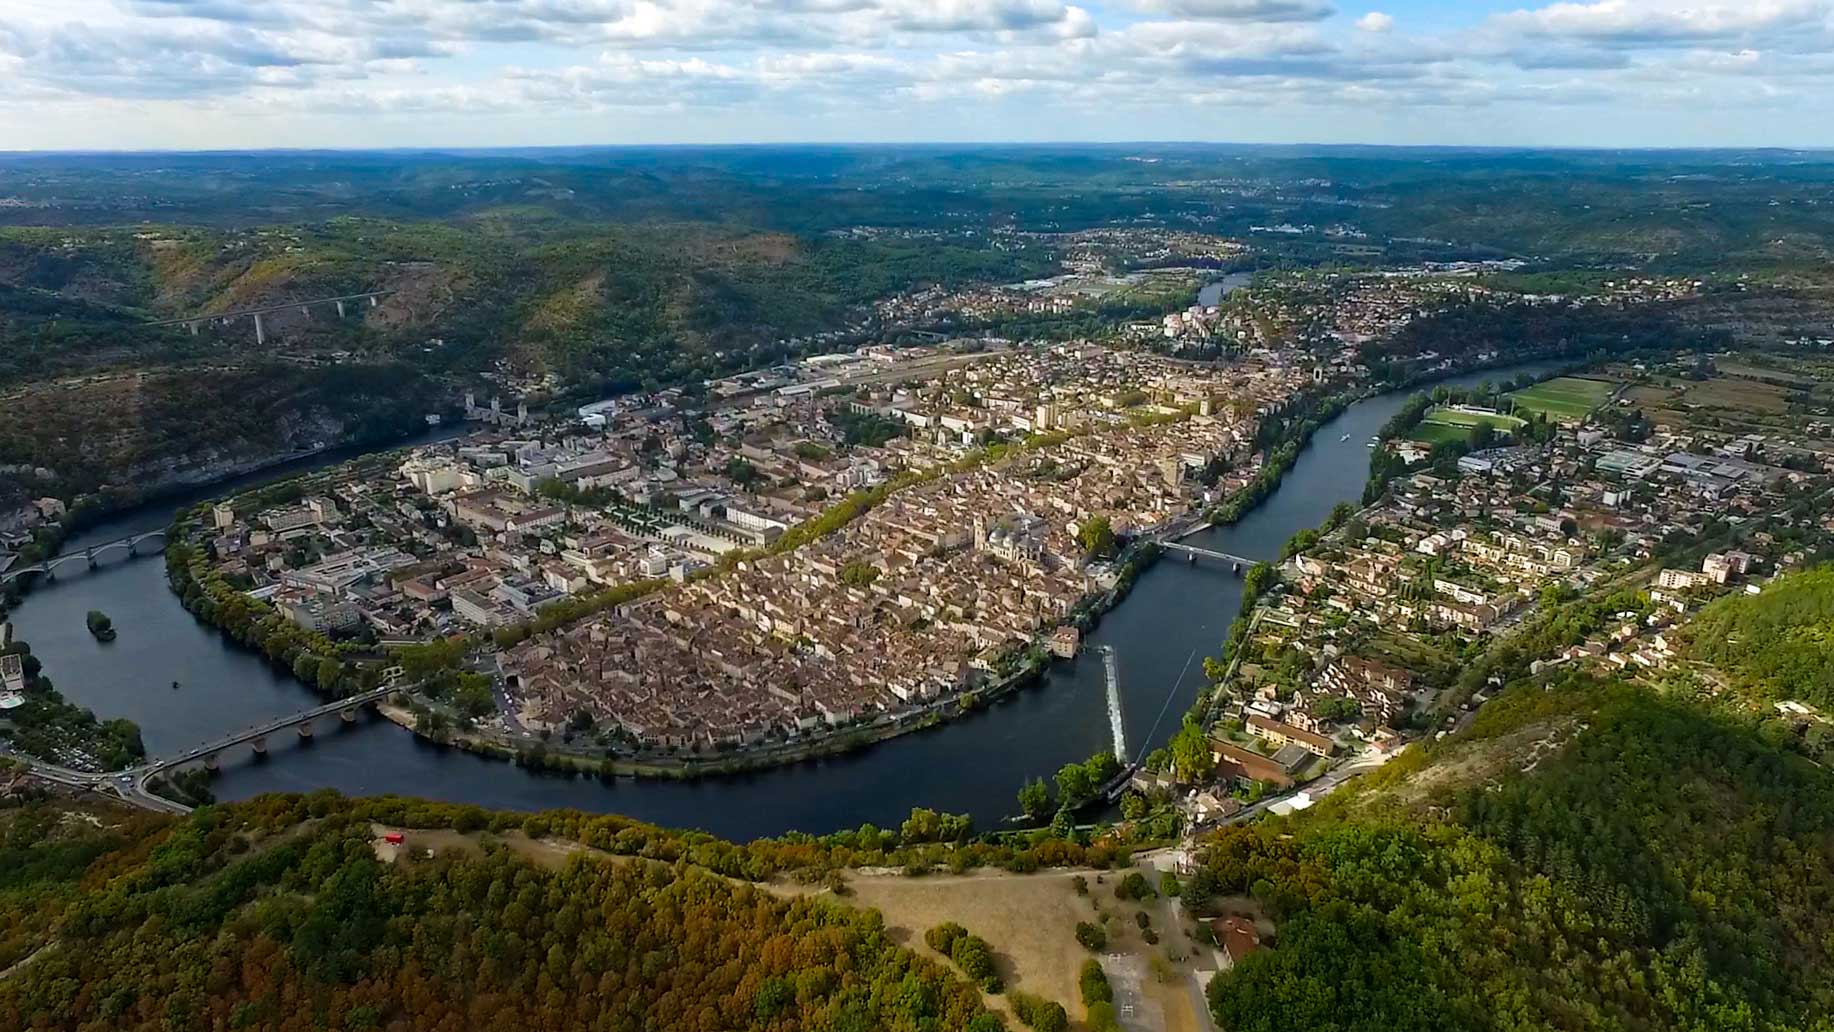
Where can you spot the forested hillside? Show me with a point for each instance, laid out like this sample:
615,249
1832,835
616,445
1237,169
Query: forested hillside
92,392
1779,643
228,920
1586,856
1644,866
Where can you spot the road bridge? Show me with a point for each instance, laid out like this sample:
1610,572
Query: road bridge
132,545
131,785
256,736
341,303
1237,562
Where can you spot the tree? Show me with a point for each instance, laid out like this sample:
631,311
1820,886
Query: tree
1096,535
923,825
1035,799
1093,982
1134,886
1335,707
1091,936
942,937
972,955
330,676
1040,1014
1133,806
1074,784
742,472
1192,758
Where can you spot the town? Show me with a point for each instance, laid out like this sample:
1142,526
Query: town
1001,487
860,543
1579,521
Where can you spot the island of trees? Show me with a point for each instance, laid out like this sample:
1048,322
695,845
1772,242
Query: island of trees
100,625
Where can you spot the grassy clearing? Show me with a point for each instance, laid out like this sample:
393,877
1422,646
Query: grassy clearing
1030,921
1728,392
1565,398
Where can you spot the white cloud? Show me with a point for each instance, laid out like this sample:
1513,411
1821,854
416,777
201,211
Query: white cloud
792,65
1241,10
1632,22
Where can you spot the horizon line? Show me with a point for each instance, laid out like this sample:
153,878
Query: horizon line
918,144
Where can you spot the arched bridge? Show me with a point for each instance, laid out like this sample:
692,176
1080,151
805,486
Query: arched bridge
345,708
257,737
130,546
132,784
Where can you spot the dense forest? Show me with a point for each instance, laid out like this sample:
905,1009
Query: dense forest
1662,870
1587,855
219,922
1462,331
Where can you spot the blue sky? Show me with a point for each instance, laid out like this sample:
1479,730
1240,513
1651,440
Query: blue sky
357,73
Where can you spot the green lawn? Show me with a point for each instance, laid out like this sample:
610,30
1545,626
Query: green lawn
1443,425
1453,417
1441,433
1566,398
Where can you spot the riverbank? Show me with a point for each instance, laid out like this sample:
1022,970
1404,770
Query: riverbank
142,509
544,754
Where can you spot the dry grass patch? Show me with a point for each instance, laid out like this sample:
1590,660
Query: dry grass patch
1030,922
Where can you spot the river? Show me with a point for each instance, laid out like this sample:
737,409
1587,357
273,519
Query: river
1177,614
1213,292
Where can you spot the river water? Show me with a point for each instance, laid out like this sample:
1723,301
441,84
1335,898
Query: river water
1177,614
1213,292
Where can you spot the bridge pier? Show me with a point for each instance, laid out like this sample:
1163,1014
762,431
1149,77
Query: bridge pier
340,305
90,555
212,762
193,325
372,300
348,714
260,331
260,745
305,731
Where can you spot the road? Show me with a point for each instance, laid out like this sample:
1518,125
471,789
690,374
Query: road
119,785
130,785
1316,788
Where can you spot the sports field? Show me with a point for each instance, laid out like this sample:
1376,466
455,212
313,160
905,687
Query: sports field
1565,398
1443,424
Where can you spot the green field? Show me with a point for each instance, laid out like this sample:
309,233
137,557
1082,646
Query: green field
1441,433
1565,398
1443,425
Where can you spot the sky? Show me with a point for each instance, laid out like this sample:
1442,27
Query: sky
209,74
